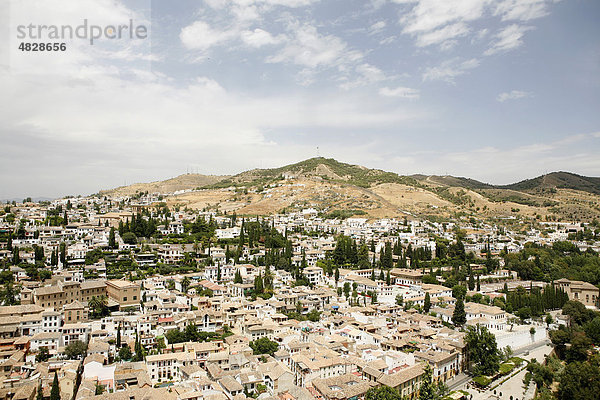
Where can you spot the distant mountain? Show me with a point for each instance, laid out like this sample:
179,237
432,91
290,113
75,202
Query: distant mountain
557,180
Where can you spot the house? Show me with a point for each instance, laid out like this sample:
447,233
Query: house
583,292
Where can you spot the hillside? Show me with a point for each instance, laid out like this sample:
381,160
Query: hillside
557,180
326,169
336,188
181,182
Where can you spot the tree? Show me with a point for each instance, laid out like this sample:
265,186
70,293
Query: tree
55,391
119,337
8,294
43,355
346,289
99,306
40,392
75,349
459,316
238,277
185,284
459,291
483,350
125,353
579,380
399,300
382,393
129,238
427,389
471,282
313,315
112,243
427,304
478,284
264,346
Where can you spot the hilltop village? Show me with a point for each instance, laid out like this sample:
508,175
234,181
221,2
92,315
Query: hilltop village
128,298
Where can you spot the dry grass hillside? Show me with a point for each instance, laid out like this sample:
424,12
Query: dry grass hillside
181,182
345,189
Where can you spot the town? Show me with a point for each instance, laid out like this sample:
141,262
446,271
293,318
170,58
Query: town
129,298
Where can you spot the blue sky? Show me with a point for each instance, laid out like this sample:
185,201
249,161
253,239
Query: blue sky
494,90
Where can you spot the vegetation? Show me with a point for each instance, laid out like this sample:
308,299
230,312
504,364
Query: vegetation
264,346
483,351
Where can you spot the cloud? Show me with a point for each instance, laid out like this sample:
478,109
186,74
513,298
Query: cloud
513,95
508,39
403,92
258,38
311,49
365,74
201,36
522,10
442,35
377,27
433,22
449,70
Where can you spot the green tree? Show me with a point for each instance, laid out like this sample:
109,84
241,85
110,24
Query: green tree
55,391
399,300
459,316
427,389
238,277
264,346
185,284
125,353
459,291
42,355
99,306
346,289
427,303
75,349
129,238
382,393
483,350
119,337
112,242
40,392
579,380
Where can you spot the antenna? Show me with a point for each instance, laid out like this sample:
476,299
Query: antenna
318,152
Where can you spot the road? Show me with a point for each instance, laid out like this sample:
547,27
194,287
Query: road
514,385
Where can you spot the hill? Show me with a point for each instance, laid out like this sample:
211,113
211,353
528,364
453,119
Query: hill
318,167
339,189
557,180
181,182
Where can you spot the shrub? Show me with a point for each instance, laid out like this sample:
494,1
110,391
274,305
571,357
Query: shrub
482,381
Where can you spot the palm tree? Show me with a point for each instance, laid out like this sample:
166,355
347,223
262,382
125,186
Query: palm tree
98,305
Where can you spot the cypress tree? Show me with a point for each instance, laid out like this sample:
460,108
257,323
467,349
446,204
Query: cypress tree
40,392
459,317
427,304
478,284
55,392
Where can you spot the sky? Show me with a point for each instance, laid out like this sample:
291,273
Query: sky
494,90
